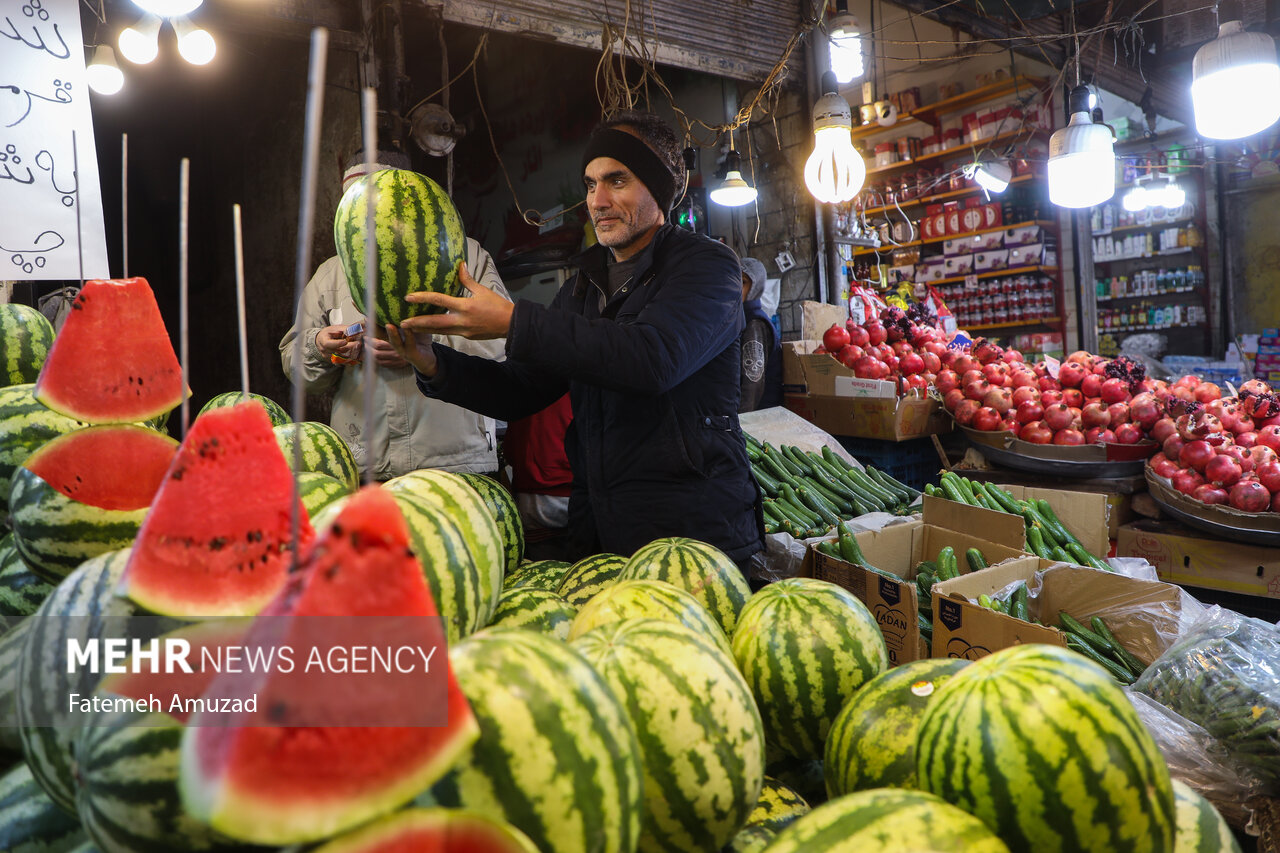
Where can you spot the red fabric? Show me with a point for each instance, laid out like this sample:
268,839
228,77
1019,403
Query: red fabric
535,448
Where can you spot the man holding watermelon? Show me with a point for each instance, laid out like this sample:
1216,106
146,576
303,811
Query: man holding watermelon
645,338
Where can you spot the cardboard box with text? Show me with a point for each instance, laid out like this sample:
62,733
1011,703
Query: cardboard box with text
1191,558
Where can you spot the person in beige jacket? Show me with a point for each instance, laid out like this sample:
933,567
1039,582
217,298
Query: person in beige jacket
410,431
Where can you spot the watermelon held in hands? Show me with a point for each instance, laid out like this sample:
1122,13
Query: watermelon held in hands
25,339
217,541
418,234
112,362
269,782
433,831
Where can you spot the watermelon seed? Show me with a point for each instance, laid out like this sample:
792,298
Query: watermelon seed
178,472
77,305
217,543
331,572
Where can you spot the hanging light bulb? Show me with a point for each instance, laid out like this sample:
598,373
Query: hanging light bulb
1235,81
168,8
834,171
195,44
140,43
104,76
993,174
1082,169
734,191
1171,196
1135,200
846,46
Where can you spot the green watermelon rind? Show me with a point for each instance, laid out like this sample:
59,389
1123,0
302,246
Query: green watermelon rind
699,569
1201,828
645,599
26,424
534,610
11,645
589,576
323,451
29,820
502,506
275,412
538,574
25,339
21,591
372,835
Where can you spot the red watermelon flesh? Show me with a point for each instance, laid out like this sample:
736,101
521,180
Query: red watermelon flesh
109,467
217,539
271,784
433,831
112,362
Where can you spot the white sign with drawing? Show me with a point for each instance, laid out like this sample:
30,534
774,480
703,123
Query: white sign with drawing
45,178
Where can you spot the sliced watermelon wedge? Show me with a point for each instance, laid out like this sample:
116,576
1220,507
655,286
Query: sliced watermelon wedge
217,540
433,831
264,783
112,362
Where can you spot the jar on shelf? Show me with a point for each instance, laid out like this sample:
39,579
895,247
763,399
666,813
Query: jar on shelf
885,155
931,145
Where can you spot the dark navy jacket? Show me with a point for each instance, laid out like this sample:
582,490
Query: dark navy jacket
655,445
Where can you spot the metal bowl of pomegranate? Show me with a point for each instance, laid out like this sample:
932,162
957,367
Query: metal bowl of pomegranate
1083,461
1244,516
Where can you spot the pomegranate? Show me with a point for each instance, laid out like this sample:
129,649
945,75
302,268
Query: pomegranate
1210,494
1023,394
1238,453
1012,356
1119,413
971,376
1048,398
1145,411
1115,391
1196,454
1241,426
1269,475
965,410
858,335
1058,417
952,398
1080,357
1128,433
1099,435
875,332
1250,496
1073,398
999,399
1223,470
1036,433
1187,480
917,382
1029,411
867,367
1048,383
1162,429
977,389
1163,466
1091,385
964,363
1021,378
1246,439
986,419
849,354
931,362
987,352
1261,455
1253,387
1207,391
1172,446
946,380
1095,415
1270,437
901,348
1071,374
911,363
1068,437
835,338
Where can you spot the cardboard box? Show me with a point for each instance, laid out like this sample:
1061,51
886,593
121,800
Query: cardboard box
889,419
971,219
1026,256
997,259
1085,514
792,370
1188,557
898,549
817,317
988,241
1023,235
957,265
1143,615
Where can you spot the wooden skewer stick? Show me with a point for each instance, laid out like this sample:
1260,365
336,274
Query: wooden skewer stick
184,198
369,115
240,311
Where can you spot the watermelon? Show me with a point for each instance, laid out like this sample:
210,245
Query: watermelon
699,569
535,610
25,339
84,607
455,498
557,755
502,506
317,491
112,361
21,592
805,646
274,410
803,775
888,820
872,743
218,540
538,574
265,783
11,643
589,576
433,831
699,732
418,234
323,451
1200,829
29,821
1044,747
778,807
25,425
646,600
84,494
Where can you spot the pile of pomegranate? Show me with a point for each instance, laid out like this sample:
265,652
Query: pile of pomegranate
1221,450
905,347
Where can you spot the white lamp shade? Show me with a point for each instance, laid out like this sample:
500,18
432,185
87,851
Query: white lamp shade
104,76
993,176
1135,200
734,191
195,44
168,8
1235,86
140,43
1082,163
1173,196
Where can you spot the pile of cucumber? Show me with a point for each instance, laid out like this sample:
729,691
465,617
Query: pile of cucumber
1046,536
1099,645
807,493
944,568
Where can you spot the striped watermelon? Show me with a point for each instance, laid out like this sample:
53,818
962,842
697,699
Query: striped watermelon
701,742
418,234
778,807
21,592
83,607
112,362
535,610
872,743
25,339
29,821
25,425
275,411
646,600
699,569
317,491
557,755
85,493
805,646
323,451
1200,828
888,820
11,643
1044,747
433,831
538,574
803,775
502,506
589,576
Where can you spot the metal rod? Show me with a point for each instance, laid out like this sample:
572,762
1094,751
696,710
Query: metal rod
124,202
369,118
184,198
75,170
240,312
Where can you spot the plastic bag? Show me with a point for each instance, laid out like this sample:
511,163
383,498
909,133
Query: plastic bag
1224,675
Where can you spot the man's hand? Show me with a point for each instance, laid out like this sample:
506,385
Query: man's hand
481,317
413,348
332,340
385,355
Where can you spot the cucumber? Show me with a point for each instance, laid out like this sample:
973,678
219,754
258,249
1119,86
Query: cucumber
976,561
947,567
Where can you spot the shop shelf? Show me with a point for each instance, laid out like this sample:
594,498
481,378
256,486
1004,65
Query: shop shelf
1043,321
955,279
1149,295
889,247
944,196
1168,223
1160,254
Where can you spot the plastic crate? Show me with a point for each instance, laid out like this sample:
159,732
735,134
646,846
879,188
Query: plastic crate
913,462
